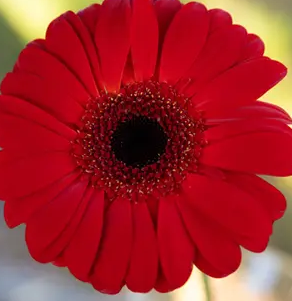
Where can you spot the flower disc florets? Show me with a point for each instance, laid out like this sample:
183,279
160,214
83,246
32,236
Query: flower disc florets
140,141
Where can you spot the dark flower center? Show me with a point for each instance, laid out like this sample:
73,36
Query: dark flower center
139,141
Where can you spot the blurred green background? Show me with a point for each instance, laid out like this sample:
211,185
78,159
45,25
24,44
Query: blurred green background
24,20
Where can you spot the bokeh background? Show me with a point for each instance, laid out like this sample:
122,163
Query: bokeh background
264,277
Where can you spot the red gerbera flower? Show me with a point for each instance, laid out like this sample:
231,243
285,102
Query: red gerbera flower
132,143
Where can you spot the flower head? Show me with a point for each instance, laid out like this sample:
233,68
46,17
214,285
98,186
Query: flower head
132,141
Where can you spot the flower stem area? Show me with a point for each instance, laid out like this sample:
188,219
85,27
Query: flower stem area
207,288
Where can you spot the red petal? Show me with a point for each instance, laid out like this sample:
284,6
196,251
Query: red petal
63,42
87,42
17,133
215,245
161,285
207,268
44,227
41,43
183,41
255,48
115,249
39,92
243,127
267,195
55,250
229,208
221,51
142,272
112,38
90,16
59,262
153,204
219,19
175,248
18,211
259,153
37,43
21,108
10,156
144,46
165,12
86,240
28,175
256,110
128,74
241,85
37,61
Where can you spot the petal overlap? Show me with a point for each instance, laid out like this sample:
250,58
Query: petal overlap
133,142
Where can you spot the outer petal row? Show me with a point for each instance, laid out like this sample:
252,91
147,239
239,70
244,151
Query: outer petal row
233,74
196,229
